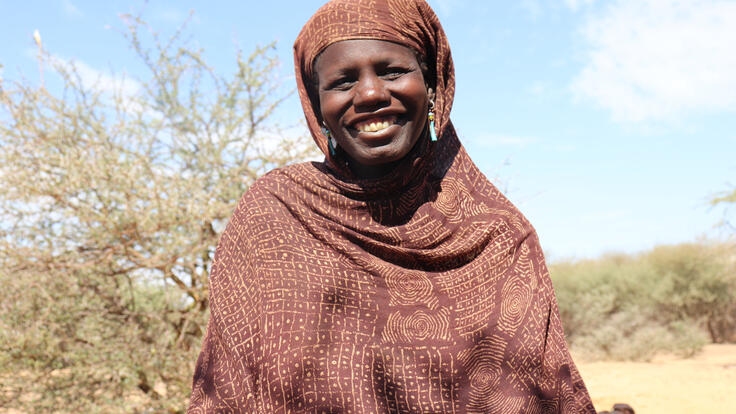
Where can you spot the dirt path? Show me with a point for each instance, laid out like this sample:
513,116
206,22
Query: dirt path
667,385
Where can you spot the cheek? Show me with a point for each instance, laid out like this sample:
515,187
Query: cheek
330,110
417,97
421,107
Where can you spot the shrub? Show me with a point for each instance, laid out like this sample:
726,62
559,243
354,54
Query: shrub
671,299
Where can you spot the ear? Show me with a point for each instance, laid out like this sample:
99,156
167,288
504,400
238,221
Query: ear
316,109
313,93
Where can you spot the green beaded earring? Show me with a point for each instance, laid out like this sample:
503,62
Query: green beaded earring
430,116
330,144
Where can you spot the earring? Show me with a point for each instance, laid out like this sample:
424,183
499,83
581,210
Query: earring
430,116
331,143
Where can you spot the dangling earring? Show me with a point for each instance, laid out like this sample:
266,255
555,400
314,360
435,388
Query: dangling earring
331,143
430,116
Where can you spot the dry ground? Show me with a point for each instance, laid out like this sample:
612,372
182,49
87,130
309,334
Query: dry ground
705,383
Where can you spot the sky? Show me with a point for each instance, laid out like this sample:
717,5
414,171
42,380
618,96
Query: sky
610,124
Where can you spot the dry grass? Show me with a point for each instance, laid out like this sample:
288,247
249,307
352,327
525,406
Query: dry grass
705,383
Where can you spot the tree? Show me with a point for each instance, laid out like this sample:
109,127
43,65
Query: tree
113,200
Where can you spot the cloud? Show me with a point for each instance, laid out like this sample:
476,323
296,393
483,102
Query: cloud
445,7
660,59
109,84
171,15
102,81
577,4
175,16
533,7
90,77
537,88
70,9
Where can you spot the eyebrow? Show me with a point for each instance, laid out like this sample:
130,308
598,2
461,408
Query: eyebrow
381,63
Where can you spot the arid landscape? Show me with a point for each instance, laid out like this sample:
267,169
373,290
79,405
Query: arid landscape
705,383
130,131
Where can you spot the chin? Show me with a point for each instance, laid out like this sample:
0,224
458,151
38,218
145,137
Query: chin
381,156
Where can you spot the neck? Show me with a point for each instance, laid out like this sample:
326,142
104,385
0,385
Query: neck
372,172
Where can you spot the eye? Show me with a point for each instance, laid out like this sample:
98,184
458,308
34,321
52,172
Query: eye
393,72
341,83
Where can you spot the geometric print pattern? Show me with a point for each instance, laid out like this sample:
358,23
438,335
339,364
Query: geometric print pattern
423,292
314,314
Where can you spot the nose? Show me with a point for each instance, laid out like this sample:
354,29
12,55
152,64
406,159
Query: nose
371,91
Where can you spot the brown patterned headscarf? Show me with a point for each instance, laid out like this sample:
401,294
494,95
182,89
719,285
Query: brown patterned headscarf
426,294
409,23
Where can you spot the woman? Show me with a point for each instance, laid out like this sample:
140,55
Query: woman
392,277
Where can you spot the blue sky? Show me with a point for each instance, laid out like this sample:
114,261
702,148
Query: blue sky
608,123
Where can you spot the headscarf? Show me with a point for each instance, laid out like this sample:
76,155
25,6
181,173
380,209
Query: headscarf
409,23
427,294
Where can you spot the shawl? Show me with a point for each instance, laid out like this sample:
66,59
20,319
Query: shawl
422,292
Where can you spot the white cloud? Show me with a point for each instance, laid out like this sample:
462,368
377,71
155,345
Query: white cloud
577,4
111,85
537,88
172,15
70,9
660,59
100,80
533,7
175,15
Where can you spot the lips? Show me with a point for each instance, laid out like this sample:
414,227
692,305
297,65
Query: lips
375,124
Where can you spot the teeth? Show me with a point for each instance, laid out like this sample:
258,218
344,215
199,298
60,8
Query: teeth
373,126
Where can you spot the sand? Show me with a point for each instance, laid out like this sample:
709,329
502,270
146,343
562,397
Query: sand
705,383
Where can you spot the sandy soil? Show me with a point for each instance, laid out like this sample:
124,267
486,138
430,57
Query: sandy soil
705,384
668,385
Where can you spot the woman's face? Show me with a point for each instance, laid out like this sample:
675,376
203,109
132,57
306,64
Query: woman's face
374,100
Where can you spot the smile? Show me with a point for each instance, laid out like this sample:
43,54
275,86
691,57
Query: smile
375,124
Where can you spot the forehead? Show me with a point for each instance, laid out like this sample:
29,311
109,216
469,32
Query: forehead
354,53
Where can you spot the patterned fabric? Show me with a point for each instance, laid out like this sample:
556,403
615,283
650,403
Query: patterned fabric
422,292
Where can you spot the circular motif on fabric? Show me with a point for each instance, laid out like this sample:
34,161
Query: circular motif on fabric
420,326
516,297
409,289
448,200
549,407
484,378
517,292
483,365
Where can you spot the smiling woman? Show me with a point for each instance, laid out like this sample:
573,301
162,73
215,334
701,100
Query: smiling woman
373,98
392,277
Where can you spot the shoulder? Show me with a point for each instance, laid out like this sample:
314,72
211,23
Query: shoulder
271,195
264,210
284,179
